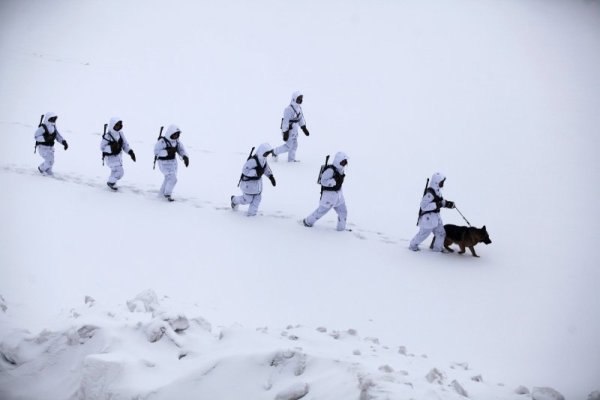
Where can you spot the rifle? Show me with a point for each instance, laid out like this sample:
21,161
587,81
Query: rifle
159,136
424,191
322,169
104,134
40,124
249,157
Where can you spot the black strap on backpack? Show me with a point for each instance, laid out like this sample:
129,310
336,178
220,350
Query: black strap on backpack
436,199
339,180
293,120
49,138
171,150
111,141
260,170
297,117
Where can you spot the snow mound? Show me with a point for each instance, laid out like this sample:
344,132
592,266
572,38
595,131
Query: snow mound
546,393
151,349
143,302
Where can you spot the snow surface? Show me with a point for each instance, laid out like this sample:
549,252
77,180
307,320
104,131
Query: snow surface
500,96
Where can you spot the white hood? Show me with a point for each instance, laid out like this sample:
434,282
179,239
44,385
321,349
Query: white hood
262,149
113,122
47,116
434,183
171,130
339,157
295,95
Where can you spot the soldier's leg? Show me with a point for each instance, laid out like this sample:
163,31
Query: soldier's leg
284,148
170,181
116,169
170,171
162,187
116,173
293,146
243,199
254,203
47,154
323,208
165,173
419,238
440,236
342,213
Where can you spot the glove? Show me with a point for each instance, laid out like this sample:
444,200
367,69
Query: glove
305,130
65,144
272,179
286,136
186,161
171,151
132,155
449,204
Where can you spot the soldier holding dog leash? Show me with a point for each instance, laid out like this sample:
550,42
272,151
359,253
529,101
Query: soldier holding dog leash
429,215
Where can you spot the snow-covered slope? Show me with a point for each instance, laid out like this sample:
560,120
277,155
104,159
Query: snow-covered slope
501,97
153,350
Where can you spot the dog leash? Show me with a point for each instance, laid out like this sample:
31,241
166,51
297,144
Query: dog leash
462,215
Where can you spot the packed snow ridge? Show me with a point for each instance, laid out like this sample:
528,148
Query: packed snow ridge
150,350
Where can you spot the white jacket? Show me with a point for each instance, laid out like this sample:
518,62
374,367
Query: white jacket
51,126
113,136
293,117
432,219
327,179
254,186
160,148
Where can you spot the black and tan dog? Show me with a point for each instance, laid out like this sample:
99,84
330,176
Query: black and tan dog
465,237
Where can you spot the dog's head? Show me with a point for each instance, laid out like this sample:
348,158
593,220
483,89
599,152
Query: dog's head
484,236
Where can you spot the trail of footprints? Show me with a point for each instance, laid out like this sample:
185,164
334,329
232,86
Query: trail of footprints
152,193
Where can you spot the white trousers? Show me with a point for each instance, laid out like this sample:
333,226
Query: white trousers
289,147
438,231
115,163
169,170
252,199
47,153
329,200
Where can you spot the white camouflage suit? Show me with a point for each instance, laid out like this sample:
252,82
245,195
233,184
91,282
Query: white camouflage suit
169,167
431,222
47,151
114,162
331,198
252,188
293,118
